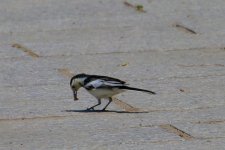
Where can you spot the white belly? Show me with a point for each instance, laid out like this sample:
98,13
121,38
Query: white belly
105,93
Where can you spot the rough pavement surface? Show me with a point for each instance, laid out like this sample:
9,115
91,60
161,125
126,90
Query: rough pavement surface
175,48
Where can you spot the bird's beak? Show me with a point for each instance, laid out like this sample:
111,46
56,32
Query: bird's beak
75,95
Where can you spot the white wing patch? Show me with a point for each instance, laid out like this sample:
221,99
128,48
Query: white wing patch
102,83
95,83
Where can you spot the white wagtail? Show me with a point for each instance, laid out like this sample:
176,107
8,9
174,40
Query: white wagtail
100,87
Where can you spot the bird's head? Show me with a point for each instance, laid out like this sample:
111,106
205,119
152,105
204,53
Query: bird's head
77,82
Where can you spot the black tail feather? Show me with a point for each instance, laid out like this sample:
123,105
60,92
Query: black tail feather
136,89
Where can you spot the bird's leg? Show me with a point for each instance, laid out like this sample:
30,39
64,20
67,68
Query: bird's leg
110,100
92,107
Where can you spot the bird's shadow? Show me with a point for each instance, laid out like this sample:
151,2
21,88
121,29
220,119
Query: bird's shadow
105,111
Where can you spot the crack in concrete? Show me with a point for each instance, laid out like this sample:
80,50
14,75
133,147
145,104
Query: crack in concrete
175,130
184,28
26,50
209,122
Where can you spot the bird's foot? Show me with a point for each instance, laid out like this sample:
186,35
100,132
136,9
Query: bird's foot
103,109
91,108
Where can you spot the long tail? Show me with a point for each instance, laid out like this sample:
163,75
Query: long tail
136,89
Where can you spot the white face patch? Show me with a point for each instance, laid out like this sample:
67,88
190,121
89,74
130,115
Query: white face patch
77,83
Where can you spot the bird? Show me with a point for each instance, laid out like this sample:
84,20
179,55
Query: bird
101,87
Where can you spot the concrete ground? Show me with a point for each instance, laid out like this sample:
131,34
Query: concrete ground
175,48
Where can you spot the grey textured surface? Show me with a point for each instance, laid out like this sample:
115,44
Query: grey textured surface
156,50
